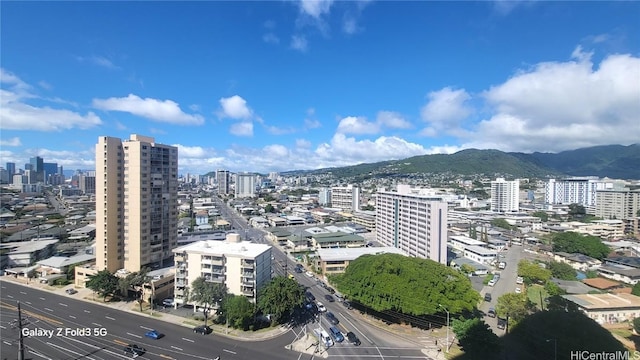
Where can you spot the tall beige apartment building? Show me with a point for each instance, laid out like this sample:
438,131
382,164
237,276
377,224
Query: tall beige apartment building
413,221
136,202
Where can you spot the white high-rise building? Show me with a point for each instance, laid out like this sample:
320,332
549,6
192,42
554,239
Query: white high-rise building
324,197
412,221
245,185
505,195
136,202
243,267
345,197
578,190
222,176
622,204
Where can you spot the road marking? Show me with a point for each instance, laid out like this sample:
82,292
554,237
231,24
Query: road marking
28,302
35,353
68,350
189,340
146,328
166,357
110,318
119,342
87,311
177,348
2,327
8,343
61,304
42,298
10,297
23,293
96,324
48,309
134,335
229,351
361,333
71,316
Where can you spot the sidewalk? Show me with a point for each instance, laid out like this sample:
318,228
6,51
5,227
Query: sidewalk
133,307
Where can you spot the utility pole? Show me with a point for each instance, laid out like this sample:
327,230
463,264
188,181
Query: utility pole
21,339
447,311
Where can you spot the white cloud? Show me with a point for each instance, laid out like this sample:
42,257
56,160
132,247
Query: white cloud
243,128
14,141
303,144
349,25
392,120
99,61
21,116
275,151
357,125
446,108
45,85
166,111
235,107
557,106
315,8
274,130
299,42
270,38
190,151
312,124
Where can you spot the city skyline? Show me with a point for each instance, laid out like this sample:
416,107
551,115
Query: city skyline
275,86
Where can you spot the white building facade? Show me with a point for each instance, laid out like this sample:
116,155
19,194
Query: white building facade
245,185
345,197
505,195
578,190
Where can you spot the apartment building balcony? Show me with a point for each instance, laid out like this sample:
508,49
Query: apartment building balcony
178,292
213,278
248,292
181,283
181,275
247,264
248,283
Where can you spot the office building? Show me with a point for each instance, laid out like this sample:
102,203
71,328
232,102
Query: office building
620,204
136,202
87,182
505,195
245,185
243,267
222,176
412,221
345,197
37,166
11,170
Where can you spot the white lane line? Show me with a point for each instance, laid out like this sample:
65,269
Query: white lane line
38,354
110,318
87,311
134,335
177,348
61,304
23,293
9,296
28,302
8,343
42,298
189,340
146,328
68,350
229,351
358,330
71,316
48,309
96,324
2,327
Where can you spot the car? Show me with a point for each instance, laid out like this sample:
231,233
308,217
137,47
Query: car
329,298
167,302
203,329
336,334
519,280
310,296
487,297
347,304
353,338
332,318
491,282
491,312
71,291
153,334
134,350
330,289
518,290
298,270
502,323
309,274
321,307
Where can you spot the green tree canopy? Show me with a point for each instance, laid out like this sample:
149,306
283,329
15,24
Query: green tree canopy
532,272
104,283
501,223
406,284
206,293
280,297
572,242
238,311
561,270
542,215
475,337
636,289
515,306
636,325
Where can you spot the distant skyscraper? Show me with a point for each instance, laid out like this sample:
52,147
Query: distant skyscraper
345,197
136,202
223,181
50,172
505,195
324,197
11,170
413,222
245,185
578,190
37,165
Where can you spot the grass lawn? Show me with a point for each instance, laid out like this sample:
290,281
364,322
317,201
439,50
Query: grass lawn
533,293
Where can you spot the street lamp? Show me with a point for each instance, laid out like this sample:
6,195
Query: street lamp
447,311
555,348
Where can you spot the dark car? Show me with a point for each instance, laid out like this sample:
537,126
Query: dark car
332,318
134,350
347,304
487,297
329,298
491,312
502,323
71,291
298,270
353,338
310,296
329,289
202,329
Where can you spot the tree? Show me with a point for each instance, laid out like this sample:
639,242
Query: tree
390,282
279,297
636,325
515,306
542,215
532,272
467,269
71,272
207,294
134,282
572,242
238,311
553,289
561,270
576,210
269,208
104,283
501,223
636,289
476,337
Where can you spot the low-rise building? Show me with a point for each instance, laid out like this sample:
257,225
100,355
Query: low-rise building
479,254
577,261
337,240
335,261
607,308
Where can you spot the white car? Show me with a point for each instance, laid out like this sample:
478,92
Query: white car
309,274
491,282
321,307
519,280
518,290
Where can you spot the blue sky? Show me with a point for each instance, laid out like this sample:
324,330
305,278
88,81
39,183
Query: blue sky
284,85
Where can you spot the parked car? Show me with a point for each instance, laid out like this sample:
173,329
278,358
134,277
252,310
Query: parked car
134,350
329,298
518,290
353,338
167,302
202,329
321,307
71,291
491,312
502,323
347,304
519,280
492,282
332,318
309,274
153,334
487,297
298,270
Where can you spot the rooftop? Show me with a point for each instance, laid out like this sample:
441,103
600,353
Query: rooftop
348,254
239,249
601,283
604,301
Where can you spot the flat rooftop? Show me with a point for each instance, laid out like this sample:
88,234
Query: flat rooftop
348,254
239,249
604,301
